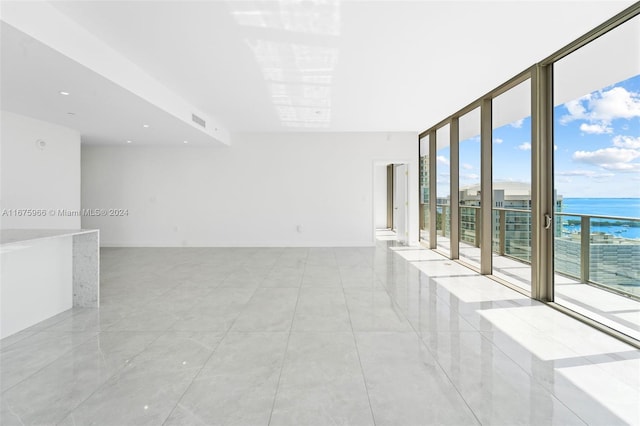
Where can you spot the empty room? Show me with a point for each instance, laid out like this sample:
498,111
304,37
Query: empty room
319,212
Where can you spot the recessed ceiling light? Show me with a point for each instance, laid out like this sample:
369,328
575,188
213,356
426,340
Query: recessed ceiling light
145,126
128,141
63,93
185,141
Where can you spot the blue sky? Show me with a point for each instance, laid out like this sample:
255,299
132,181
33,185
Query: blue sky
598,143
597,147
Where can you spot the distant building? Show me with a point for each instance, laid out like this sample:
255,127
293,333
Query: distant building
512,201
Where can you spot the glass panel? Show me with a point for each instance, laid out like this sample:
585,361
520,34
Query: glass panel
469,178
613,264
597,179
511,162
424,189
567,249
443,182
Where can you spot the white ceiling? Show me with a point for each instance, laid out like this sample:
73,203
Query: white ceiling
33,75
334,65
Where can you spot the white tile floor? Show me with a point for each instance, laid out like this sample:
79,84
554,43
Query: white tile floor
320,336
611,309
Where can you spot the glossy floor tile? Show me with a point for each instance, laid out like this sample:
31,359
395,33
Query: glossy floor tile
238,384
614,310
385,335
321,382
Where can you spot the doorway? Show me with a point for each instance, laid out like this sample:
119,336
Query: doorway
391,201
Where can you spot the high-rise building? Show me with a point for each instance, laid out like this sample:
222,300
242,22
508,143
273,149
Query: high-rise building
511,204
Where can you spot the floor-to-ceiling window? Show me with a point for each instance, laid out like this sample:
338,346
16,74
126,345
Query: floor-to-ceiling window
469,187
511,185
596,119
544,175
443,182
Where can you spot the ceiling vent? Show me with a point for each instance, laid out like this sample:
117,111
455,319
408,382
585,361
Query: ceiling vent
198,120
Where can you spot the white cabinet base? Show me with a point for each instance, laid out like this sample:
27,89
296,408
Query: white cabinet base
46,275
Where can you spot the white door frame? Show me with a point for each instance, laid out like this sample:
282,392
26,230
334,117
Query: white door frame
401,202
395,161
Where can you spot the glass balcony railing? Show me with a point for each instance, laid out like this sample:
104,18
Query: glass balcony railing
512,233
443,220
424,221
600,250
469,232
603,250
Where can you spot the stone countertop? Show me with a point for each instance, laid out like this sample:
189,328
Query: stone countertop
16,236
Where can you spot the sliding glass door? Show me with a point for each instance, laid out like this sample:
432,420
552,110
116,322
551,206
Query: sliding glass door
443,185
469,187
596,119
511,185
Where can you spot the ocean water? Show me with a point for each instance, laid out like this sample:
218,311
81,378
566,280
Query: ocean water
618,207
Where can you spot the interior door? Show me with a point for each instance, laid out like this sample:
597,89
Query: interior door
400,202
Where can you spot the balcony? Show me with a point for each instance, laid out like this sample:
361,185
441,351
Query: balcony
597,273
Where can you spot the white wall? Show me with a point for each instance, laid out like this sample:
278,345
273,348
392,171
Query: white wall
254,193
34,178
380,195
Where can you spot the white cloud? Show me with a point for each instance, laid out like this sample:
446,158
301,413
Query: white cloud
610,158
596,129
467,166
616,103
603,106
518,123
577,110
525,146
498,141
626,142
443,160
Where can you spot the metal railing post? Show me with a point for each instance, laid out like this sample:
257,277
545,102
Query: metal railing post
585,240
502,231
